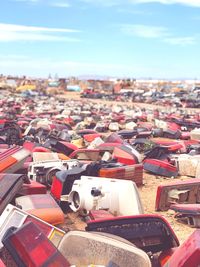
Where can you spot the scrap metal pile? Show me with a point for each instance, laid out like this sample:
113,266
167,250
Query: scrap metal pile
60,157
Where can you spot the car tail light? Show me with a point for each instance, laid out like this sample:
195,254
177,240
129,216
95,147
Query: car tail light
30,247
62,185
151,233
160,167
99,215
32,188
165,256
158,198
91,137
57,188
42,206
2,263
10,186
29,145
187,213
188,254
114,138
131,172
125,160
40,149
7,163
14,217
43,227
187,192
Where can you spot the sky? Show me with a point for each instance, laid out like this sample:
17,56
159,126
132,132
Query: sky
113,38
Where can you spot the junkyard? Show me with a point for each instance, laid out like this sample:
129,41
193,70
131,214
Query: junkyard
98,180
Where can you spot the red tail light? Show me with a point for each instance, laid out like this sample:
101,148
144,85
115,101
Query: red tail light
52,233
130,172
29,145
158,197
165,256
188,254
113,173
126,161
2,263
33,188
30,247
15,217
90,137
42,206
56,188
42,226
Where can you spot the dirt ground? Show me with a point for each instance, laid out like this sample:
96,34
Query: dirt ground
147,191
148,196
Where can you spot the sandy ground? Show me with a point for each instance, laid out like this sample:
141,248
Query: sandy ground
147,191
148,196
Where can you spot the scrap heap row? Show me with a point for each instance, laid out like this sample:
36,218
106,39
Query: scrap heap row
61,157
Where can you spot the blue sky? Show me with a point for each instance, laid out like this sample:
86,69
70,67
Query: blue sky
132,38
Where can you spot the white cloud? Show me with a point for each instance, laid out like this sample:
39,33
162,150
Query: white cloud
106,3
28,1
110,3
60,4
53,3
13,32
14,36
144,30
24,28
13,57
183,41
157,32
194,3
134,11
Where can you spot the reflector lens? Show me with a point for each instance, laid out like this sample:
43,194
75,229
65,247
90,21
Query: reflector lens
30,247
131,172
45,228
56,188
